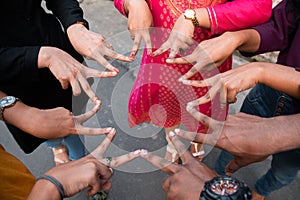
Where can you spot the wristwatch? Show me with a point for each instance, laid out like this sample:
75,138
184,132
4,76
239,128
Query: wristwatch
225,188
7,102
190,14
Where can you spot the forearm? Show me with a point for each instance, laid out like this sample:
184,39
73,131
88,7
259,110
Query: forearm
283,132
27,118
238,14
279,77
245,40
67,11
18,63
130,5
43,189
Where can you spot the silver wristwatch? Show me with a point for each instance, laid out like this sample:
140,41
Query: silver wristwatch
7,102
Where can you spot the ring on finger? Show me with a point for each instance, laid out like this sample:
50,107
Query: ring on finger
108,161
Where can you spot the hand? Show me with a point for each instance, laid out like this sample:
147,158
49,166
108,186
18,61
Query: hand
93,46
139,22
89,172
208,55
60,122
186,180
228,84
69,71
240,135
180,38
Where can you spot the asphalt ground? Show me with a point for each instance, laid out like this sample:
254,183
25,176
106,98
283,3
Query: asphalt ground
137,180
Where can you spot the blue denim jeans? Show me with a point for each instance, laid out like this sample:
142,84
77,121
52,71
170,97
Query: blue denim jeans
73,143
266,102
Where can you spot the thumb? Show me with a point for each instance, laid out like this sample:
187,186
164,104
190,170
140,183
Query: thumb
232,166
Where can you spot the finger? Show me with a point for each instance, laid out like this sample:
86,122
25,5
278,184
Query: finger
197,137
100,59
99,74
203,119
81,130
120,160
223,96
185,155
166,184
86,116
161,163
107,186
173,52
232,166
87,88
95,187
117,56
196,69
136,45
193,83
147,40
98,152
164,47
183,60
75,87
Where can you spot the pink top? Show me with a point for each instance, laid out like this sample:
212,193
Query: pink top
223,19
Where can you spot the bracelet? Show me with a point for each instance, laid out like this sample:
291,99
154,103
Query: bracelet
55,182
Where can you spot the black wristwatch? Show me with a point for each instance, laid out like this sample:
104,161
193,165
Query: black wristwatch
6,102
225,188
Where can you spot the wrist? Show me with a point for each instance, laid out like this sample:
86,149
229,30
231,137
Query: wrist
202,17
129,5
44,189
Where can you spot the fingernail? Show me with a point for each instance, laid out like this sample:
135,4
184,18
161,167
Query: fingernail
112,171
144,152
132,55
186,82
136,152
172,134
98,102
149,52
114,73
180,79
177,130
169,60
108,129
112,131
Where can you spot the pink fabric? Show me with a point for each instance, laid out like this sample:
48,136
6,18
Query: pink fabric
156,95
119,4
232,16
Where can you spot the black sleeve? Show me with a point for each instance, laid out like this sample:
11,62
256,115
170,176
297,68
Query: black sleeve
18,63
67,11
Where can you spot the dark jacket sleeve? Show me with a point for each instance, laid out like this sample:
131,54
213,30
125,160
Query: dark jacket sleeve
67,11
276,33
18,63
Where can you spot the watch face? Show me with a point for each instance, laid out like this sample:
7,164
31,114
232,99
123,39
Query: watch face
224,187
7,101
190,14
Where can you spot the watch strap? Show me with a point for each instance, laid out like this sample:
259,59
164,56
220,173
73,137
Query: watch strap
3,108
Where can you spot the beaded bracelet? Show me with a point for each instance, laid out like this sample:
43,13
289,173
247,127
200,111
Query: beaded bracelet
55,182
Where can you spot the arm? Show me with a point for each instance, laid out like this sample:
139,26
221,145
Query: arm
68,12
241,133
50,123
238,14
139,21
92,172
25,60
